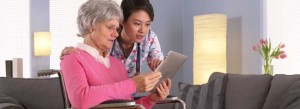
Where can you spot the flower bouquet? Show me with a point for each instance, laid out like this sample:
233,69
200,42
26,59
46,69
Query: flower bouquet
264,48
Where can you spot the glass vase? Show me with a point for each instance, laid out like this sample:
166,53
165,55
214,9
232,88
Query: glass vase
268,69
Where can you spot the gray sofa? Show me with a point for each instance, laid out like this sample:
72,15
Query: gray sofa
236,91
223,91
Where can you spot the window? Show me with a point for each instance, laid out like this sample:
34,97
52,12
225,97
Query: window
282,25
15,35
63,26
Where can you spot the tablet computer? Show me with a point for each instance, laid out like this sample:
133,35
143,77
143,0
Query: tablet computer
170,66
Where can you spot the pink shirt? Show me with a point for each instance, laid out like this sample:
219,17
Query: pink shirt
89,82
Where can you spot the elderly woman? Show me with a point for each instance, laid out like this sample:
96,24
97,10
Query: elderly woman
92,76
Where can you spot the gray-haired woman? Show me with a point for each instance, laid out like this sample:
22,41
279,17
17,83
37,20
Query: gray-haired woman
92,76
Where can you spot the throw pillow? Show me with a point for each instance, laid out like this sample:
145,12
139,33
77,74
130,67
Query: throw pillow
7,102
190,94
206,96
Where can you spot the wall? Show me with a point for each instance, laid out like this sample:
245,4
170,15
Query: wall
244,30
173,23
168,31
167,25
39,21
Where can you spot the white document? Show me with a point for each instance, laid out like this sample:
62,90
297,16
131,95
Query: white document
170,66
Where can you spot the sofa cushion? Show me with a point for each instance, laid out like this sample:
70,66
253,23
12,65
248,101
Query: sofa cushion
246,91
206,96
279,86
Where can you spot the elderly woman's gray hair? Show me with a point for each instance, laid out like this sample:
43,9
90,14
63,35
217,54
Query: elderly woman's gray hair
94,11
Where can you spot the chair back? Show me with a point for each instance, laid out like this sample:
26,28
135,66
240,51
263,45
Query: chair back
63,89
58,74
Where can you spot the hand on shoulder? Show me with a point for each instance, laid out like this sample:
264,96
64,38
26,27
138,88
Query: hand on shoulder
67,51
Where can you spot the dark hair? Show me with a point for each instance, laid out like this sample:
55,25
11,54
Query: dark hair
130,6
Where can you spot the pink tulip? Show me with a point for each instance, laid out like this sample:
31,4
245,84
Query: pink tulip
282,56
282,45
258,46
261,41
254,48
266,42
276,53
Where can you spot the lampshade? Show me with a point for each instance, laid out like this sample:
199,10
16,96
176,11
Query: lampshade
42,43
209,46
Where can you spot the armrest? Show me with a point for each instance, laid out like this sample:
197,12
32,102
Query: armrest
173,99
116,103
169,97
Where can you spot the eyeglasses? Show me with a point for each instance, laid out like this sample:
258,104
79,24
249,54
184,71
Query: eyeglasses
113,28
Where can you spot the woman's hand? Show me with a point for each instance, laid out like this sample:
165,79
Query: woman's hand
66,51
145,82
162,91
153,63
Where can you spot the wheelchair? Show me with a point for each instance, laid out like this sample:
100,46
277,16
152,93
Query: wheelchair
109,104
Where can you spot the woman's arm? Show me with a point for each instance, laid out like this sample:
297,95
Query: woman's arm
155,55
